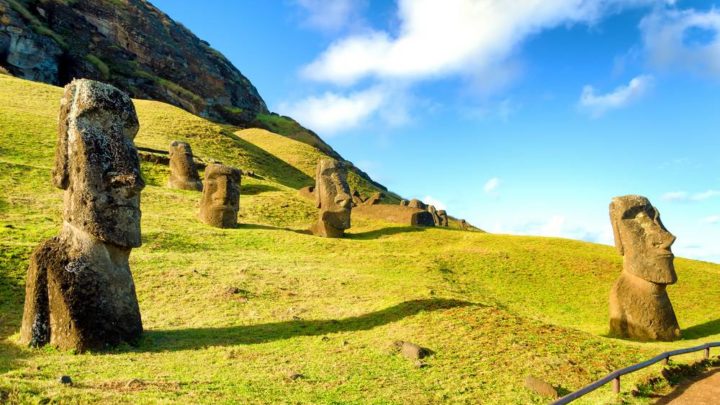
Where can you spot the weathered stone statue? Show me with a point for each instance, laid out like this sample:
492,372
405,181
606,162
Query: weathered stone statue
375,199
183,173
221,196
357,198
639,304
434,212
80,292
332,195
443,217
415,203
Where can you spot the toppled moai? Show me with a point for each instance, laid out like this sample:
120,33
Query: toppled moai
639,304
415,203
220,201
79,292
357,198
374,199
443,216
183,173
332,196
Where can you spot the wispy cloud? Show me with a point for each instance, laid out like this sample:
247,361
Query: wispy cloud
712,219
491,185
435,202
599,104
687,40
558,226
330,15
685,196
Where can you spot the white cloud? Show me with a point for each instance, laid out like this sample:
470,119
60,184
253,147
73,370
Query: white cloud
433,201
445,37
712,219
491,185
599,104
685,196
670,39
330,15
333,112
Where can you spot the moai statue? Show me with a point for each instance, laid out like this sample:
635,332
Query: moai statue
357,198
80,292
415,203
183,173
434,212
442,214
404,203
220,201
639,304
332,195
464,225
374,199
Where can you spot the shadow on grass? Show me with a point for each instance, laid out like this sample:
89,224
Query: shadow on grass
183,339
702,330
379,233
253,189
13,262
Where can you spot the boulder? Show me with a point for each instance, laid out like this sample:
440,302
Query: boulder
79,291
183,173
640,307
415,203
220,201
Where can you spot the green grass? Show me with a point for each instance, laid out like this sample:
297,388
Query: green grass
101,66
230,313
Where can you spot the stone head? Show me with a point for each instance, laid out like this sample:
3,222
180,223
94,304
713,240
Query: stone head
642,240
180,152
332,193
96,162
221,195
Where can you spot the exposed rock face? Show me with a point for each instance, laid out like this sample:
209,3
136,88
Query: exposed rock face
415,203
80,292
443,217
130,44
183,173
221,196
639,304
332,196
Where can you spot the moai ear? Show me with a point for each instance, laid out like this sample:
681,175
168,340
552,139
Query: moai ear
60,173
614,218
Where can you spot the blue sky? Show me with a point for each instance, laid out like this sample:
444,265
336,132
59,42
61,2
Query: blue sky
523,117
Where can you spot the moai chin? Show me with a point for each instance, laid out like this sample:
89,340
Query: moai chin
332,195
221,196
80,293
639,304
183,173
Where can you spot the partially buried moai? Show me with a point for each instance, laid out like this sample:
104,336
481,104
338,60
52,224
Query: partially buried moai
183,173
79,292
332,195
639,304
221,196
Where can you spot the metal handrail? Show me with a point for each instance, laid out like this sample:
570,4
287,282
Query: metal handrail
615,375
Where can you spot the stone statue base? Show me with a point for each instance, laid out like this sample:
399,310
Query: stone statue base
80,295
324,229
640,309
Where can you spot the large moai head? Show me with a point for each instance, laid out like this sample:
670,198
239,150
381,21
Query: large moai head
96,162
642,240
332,194
221,196
183,173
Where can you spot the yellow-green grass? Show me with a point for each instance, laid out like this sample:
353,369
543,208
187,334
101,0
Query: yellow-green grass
229,314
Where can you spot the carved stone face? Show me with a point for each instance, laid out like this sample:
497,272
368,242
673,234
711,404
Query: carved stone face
97,163
332,194
221,196
642,239
183,174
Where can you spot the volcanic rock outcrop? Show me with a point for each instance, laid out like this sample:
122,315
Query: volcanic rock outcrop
220,201
332,196
79,291
639,304
183,173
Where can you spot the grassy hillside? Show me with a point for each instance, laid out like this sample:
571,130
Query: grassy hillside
234,315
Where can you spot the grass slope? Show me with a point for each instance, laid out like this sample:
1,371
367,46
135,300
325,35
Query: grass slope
230,314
